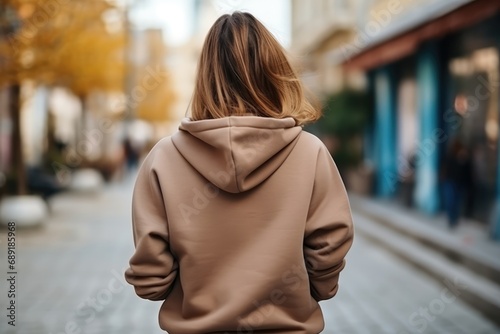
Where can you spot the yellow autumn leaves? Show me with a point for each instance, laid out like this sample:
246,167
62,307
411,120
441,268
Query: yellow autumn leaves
82,45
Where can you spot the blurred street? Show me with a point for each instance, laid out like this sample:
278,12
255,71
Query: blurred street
409,91
70,280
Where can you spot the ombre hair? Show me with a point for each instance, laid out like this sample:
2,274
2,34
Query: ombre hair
243,70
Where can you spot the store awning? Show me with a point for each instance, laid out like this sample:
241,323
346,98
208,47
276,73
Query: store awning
383,52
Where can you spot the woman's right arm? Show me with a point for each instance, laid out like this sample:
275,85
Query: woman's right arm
153,268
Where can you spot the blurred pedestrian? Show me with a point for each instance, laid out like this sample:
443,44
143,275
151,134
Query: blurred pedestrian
131,155
457,175
241,220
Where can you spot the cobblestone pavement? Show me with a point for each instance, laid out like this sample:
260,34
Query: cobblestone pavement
70,281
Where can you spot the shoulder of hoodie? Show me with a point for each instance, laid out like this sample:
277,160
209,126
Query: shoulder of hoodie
159,150
317,154
312,143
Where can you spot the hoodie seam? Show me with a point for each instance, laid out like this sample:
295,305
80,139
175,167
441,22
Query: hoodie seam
240,125
232,156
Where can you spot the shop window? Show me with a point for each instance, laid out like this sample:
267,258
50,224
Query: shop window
407,137
475,99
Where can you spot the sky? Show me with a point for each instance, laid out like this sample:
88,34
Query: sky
176,16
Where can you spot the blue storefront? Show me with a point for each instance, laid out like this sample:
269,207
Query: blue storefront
433,86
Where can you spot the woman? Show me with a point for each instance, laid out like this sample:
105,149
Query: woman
241,220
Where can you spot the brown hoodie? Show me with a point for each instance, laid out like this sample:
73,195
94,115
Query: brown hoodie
241,225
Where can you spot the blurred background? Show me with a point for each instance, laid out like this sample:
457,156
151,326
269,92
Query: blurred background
410,96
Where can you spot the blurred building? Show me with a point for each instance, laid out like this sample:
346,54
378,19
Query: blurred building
433,71
183,59
319,29
147,58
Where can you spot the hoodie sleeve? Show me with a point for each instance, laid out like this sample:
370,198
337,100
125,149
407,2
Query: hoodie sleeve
329,229
153,268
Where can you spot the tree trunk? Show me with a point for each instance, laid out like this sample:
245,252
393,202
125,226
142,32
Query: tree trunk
82,127
17,144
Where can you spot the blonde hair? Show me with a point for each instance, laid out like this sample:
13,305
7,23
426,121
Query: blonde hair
244,70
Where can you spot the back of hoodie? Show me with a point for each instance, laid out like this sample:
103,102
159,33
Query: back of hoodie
241,225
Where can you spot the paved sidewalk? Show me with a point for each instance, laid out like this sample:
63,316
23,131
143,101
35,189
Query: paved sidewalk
470,239
380,293
466,253
70,281
70,272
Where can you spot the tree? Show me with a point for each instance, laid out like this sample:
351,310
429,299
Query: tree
345,118
78,44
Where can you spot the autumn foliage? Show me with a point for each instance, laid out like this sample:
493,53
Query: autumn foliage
80,45
65,43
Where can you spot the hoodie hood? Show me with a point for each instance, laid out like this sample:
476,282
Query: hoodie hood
236,153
